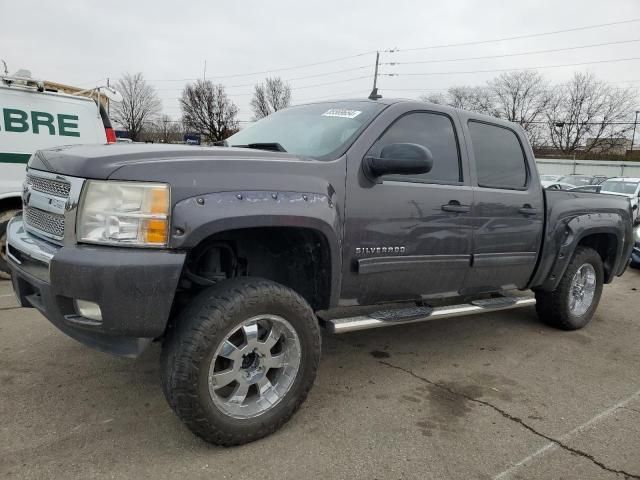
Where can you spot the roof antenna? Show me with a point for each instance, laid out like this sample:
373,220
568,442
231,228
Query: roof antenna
374,95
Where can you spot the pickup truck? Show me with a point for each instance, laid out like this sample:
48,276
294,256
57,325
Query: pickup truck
339,215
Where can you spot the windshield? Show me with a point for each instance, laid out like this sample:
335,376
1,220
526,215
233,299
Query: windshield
619,186
548,178
576,180
320,130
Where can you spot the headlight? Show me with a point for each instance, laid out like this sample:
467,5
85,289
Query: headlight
636,233
124,213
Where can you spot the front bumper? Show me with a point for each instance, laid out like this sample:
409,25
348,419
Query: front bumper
134,288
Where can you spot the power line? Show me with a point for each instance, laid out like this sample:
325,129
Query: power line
336,95
323,74
92,82
361,54
444,89
284,79
393,50
248,74
517,37
293,88
510,69
532,52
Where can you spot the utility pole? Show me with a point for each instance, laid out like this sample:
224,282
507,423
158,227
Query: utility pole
204,74
635,123
374,93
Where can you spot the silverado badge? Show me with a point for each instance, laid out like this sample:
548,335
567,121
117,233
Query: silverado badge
379,250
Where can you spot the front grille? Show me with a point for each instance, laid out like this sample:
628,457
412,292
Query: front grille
50,186
46,222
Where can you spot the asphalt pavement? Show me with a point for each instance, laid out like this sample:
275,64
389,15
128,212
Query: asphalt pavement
495,396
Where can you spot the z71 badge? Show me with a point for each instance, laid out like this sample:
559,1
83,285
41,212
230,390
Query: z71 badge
379,250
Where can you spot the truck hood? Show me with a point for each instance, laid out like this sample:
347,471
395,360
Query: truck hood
102,161
192,170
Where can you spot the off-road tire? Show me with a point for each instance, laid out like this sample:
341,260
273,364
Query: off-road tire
5,216
195,335
553,307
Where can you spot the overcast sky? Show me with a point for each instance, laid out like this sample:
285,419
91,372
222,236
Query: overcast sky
83,42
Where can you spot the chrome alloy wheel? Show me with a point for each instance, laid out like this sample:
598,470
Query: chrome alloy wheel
582,290
254,367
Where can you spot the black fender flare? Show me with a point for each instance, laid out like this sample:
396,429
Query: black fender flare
197,218
566,238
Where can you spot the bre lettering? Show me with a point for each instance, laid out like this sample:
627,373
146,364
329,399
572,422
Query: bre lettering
17,121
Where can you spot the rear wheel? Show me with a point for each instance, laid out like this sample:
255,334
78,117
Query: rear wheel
241,360
5,216
572,304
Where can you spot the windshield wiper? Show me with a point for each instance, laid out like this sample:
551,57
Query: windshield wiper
270,146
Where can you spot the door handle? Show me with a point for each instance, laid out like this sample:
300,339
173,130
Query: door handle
528,210
456,207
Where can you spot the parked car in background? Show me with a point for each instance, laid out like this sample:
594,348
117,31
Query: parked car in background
599,179
629,187
586,188
32,118
547,180
635,253
559,186
581,180
622,186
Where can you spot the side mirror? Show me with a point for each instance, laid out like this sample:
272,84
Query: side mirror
399,159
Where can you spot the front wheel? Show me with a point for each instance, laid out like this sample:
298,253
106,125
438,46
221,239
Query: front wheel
572,304
241,360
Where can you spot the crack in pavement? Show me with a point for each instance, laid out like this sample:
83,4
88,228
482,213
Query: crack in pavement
517,420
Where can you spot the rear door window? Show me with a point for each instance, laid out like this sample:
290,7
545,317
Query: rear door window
500,160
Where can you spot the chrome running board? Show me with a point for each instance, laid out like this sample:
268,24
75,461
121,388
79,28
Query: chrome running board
385,318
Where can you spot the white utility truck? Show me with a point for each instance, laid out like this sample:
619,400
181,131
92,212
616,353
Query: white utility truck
32,117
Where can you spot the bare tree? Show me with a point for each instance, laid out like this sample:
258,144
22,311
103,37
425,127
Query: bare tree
522,97
207,110
163,130
435,98
475,99
139,105
273,95
586,111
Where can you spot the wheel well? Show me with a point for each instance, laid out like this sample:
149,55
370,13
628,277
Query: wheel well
606,244
298,258
10,203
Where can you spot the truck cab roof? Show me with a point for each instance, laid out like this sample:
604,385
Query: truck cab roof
420,105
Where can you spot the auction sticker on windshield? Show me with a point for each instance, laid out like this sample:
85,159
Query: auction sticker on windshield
341,112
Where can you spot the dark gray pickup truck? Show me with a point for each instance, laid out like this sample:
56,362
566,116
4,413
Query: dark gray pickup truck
345,215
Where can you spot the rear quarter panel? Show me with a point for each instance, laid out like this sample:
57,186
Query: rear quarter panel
571,216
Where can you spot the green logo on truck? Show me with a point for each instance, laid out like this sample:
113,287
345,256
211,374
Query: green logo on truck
19,121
